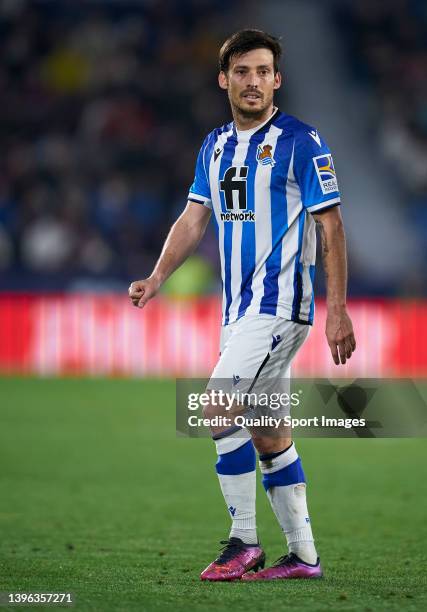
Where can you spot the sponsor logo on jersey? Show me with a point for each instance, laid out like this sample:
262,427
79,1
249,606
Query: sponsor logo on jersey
233,186
326,173
264,155
238,216
232,510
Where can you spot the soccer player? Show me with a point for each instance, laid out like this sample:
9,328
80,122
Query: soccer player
267,178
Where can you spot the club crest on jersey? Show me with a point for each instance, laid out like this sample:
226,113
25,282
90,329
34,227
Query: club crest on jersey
264,155
326,173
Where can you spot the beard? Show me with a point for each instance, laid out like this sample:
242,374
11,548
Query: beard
251,113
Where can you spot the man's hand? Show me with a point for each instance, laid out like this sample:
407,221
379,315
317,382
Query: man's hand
184,236
340,336
339,330
143,290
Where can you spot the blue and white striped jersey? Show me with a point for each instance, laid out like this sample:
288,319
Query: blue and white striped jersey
262,185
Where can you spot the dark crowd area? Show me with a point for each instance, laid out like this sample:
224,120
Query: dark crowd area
386,43
103,110
104,106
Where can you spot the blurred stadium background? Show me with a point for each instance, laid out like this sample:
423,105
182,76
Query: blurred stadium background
103,106
103,109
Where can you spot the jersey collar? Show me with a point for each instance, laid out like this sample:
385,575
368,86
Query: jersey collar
257,128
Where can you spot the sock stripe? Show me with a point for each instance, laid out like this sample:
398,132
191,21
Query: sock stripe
269,456
229,443
281,461
291,474
239,461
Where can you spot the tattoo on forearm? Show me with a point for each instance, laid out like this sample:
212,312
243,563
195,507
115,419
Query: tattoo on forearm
325,247
334,260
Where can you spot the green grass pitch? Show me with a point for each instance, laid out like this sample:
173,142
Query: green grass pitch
99,497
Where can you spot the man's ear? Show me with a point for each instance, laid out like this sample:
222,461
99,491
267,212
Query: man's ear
277,80
222,80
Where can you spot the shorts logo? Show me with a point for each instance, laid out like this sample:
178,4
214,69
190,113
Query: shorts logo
276,340
326,173
264,156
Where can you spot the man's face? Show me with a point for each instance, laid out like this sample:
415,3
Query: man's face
250,82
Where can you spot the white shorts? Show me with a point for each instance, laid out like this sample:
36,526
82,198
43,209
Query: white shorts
256,355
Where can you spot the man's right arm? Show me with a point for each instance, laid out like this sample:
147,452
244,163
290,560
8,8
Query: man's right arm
183,238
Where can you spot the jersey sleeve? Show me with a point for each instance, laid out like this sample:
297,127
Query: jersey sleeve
200,190
315,172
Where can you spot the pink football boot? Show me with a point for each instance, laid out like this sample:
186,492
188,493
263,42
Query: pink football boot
287,567
235,559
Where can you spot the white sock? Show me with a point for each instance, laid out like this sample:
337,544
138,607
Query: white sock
239,494
237,478
290,507
284,481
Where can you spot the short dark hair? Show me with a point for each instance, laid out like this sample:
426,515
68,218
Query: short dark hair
246,40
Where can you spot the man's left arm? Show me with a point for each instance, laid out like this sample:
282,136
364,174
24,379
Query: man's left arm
339,329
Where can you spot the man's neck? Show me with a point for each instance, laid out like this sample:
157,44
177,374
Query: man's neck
242,122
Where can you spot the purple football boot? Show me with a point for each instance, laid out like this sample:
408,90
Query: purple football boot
287,567
235,559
